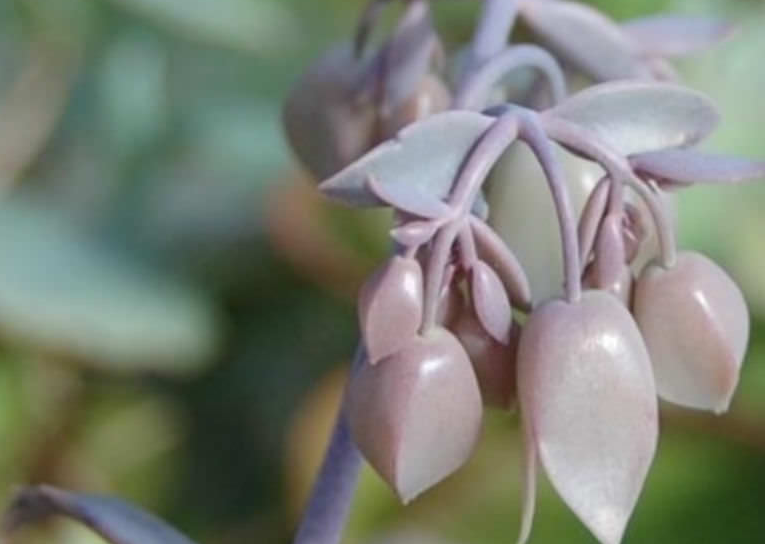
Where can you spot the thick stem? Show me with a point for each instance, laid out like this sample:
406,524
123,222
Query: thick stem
589,145
491,34
480,161
534,135
328,507
474,90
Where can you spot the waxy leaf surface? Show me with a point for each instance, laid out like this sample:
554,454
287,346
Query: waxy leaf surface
426,155
676,35
635,117
688,166
491,303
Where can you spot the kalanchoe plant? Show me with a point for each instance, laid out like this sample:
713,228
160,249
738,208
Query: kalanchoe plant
452,321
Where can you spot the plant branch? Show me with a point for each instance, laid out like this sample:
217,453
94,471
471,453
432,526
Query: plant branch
328,507
492,33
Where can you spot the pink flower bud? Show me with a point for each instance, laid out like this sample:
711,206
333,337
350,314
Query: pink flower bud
416,416
696,325
390,307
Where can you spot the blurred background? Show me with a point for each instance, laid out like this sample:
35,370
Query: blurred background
176,302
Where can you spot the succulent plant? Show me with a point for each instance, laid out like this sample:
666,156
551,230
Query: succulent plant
625,318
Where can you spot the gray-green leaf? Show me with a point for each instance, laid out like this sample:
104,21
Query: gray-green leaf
637,116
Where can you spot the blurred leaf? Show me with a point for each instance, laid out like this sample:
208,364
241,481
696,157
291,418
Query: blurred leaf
61,293
257,26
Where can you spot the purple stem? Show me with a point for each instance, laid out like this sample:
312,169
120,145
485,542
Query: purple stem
475,88
368,20
618,167
592,215
482,158
491,34
328,507
534,135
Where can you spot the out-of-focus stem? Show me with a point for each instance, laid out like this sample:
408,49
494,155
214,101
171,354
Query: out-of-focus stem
328,507
492,33
474,89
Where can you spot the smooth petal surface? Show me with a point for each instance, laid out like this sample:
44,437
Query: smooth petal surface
688,166
426,155
494,363
491,303
325,128
676,35
416,416
390,307
696,325
635,116
588,398
585,38
113,519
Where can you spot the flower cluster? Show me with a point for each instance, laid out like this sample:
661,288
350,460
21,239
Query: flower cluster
450,322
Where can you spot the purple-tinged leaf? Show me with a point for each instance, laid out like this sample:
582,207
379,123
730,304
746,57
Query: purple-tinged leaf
408,198
390,307
683,167
588,398
425,156
493,250
113,519
610,257
416,416
586,39
676,35
636,117
414,233
491,303
592,215
696,325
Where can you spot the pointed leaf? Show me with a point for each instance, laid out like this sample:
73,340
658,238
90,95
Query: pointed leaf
404,417
696,325
529,489
113,519
390,307
635,117
676,35
426,155
408,198
585,38
688,166
491,303
588,398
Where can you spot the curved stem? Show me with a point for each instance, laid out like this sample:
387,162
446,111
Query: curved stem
482,158
327,510
475,88
467,246
534,135
491,34
590,146
368,20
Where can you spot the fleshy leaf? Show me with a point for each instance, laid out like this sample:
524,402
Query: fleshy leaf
408,198
416,416
390,307
585,38
696,325
676,35
426,155
491,303
687,166
112,518
588,398
529,487
636,117
414,233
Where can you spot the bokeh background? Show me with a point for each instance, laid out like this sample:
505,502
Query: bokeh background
176,303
